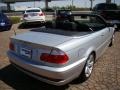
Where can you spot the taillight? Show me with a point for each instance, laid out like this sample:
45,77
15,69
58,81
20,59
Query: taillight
41,14
56,56
25,15
11,46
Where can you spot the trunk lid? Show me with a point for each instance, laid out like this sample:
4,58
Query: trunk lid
41,38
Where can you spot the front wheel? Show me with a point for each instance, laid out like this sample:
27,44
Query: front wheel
116,28
88,68
112,41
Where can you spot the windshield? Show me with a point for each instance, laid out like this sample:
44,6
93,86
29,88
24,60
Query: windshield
91,21
79,23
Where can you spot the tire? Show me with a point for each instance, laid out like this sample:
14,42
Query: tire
88,68
112,41
9,28
116,28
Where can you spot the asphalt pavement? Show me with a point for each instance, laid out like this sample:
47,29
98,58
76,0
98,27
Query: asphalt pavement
105,76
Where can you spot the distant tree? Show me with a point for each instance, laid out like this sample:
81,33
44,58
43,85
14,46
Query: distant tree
71,7
74,8
63,8
55,7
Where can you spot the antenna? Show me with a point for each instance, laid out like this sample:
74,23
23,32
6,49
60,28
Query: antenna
13,28
14,31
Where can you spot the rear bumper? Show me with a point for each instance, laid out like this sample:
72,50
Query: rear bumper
52,75
34,20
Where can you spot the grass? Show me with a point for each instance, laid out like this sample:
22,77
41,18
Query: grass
15,19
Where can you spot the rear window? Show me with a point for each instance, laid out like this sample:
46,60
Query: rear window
34,10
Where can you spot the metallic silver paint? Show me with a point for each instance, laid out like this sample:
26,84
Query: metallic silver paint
77,48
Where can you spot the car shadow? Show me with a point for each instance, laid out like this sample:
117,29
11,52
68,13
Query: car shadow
20,81
30,25
4,30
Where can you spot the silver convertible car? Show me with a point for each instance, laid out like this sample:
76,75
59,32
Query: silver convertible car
63,50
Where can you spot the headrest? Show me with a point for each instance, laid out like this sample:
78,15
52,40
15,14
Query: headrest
69,26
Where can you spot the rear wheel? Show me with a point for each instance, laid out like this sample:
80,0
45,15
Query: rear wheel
9,27
88,68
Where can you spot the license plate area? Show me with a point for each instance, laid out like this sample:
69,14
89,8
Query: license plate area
33,14
26,52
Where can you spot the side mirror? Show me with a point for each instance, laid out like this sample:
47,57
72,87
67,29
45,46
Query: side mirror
110,25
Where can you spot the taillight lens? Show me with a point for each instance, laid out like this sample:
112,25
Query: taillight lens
11,46
25,15
41,14
56,56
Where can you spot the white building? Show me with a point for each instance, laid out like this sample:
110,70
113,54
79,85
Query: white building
14,8
20,8
4,8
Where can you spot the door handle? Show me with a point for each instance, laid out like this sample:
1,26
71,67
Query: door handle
102,35
109,29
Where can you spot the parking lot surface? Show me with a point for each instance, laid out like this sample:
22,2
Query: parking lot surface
105,76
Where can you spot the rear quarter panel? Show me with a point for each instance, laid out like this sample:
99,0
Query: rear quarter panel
81,47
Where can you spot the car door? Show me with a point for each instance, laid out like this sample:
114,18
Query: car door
104,33
101,41
105,38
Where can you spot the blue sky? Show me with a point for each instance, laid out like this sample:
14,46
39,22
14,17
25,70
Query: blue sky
79,3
